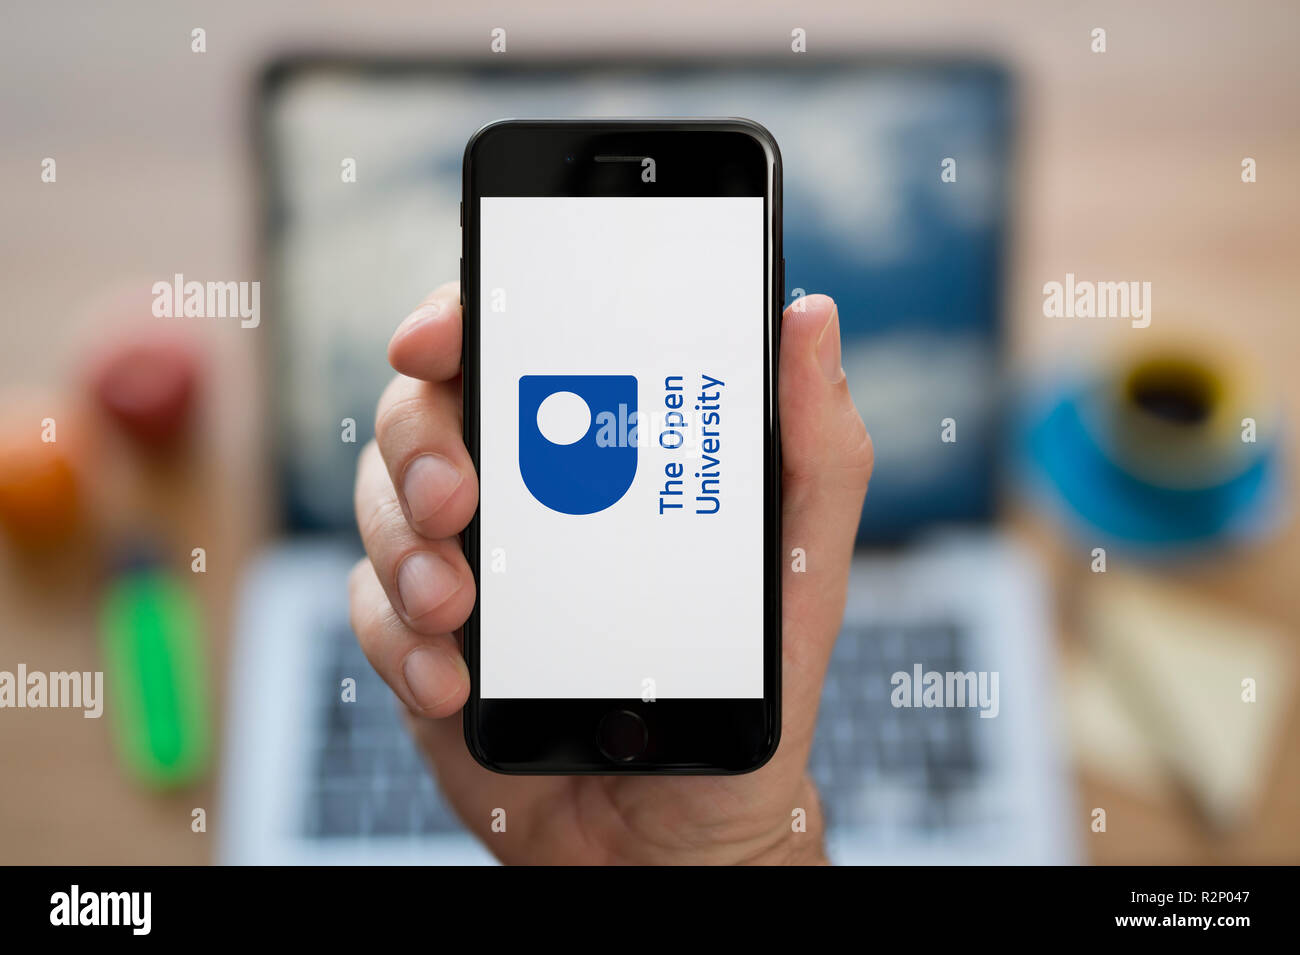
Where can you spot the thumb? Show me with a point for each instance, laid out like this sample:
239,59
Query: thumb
826,463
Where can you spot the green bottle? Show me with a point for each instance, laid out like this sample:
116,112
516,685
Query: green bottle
155,676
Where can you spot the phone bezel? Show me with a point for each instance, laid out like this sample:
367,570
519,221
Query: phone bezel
527,157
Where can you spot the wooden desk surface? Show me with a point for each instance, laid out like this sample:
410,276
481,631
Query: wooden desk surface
1129,168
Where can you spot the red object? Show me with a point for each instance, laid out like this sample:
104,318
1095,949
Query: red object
148,388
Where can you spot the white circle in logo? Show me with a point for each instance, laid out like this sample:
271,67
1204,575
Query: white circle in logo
563,418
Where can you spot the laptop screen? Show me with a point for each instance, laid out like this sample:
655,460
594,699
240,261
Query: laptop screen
895,204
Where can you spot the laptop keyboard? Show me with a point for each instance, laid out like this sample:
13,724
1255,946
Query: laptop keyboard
883,768
877,768
368,779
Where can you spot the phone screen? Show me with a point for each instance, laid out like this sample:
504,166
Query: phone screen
621,425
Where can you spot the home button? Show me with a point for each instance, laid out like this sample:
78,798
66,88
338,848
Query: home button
621,735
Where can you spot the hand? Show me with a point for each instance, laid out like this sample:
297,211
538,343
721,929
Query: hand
416,490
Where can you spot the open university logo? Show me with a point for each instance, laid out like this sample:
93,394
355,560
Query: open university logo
577,439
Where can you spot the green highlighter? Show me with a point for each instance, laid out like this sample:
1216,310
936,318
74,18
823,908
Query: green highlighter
155,674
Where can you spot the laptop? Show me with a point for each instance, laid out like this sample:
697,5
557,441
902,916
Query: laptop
873,216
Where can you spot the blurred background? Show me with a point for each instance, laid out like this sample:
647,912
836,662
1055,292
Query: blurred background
1097,509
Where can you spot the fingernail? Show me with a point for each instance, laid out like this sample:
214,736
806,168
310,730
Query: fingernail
430,675
424,582
424,313
828,348
429,480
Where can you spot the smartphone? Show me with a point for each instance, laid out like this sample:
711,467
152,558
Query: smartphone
622,283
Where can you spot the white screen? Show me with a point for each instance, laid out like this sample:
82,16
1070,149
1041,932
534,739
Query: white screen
593,593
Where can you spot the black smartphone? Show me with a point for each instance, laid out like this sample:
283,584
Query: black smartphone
622,282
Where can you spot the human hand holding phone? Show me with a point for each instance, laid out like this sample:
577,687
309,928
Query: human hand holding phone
417,489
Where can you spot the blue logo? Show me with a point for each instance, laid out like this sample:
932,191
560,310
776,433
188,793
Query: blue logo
577,439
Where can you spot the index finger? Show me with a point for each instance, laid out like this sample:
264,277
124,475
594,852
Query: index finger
427,343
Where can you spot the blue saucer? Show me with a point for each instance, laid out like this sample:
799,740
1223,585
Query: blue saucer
1106,499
